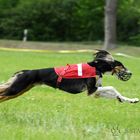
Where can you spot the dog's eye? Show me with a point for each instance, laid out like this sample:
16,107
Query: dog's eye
119,68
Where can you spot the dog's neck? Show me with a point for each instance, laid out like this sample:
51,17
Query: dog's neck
101,66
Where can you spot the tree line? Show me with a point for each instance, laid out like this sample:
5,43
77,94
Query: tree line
67,20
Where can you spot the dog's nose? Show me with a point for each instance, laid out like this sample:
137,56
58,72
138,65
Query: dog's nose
130,73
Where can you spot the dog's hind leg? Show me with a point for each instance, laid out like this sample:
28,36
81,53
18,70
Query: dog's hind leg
5,86
111,92
17,85
7,95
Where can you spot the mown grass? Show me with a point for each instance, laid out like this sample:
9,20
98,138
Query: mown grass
44,113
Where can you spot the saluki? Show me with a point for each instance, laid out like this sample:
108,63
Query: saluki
74,78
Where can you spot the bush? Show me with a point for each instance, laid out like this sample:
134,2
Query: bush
66,20
55,20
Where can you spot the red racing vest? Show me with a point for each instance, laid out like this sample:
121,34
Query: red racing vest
75,71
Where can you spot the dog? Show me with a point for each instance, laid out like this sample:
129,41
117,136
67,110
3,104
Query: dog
73,79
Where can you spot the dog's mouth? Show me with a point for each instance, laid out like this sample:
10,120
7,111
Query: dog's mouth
123,75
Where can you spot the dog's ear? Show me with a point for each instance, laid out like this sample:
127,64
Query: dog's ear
103,55
97,51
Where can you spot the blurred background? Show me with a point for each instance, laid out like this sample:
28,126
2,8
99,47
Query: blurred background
77,21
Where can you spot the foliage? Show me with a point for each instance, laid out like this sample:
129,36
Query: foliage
129,21
66,20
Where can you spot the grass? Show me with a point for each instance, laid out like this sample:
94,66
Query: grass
44,113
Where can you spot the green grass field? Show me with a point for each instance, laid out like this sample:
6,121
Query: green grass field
44,113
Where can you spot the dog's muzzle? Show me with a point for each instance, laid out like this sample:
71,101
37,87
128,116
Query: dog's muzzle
124,75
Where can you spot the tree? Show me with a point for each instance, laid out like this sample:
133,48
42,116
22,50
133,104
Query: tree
110,24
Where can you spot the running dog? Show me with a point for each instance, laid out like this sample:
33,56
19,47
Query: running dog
73,79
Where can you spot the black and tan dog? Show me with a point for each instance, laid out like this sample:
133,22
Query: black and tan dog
60,78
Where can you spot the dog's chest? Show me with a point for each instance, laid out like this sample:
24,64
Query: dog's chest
98,81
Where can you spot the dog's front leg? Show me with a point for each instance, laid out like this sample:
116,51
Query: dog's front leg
111,92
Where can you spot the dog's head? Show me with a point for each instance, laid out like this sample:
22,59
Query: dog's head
116,67
120,71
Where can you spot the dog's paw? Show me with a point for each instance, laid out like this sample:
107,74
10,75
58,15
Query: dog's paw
134,100
119,99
